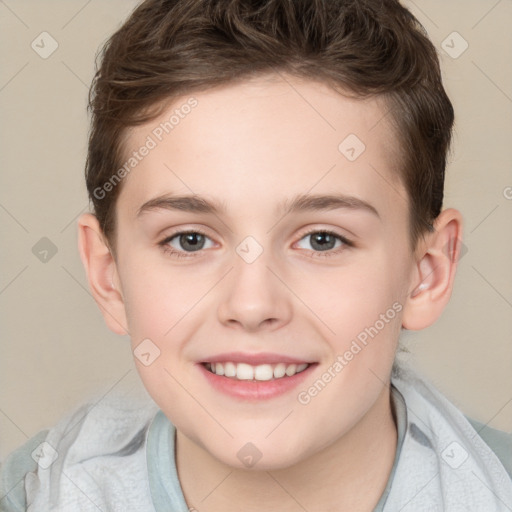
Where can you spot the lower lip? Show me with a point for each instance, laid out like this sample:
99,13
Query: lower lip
255,389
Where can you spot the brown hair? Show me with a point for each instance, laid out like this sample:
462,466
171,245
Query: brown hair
169,48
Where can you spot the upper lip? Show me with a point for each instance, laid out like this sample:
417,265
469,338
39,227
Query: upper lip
253,359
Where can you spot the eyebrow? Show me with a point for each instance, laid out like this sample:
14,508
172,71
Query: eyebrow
300,203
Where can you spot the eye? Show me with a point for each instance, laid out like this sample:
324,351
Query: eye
323,241
183,242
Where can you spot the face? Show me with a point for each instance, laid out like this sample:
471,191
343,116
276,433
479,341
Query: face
264,232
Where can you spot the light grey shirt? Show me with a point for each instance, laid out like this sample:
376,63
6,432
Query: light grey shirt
116,456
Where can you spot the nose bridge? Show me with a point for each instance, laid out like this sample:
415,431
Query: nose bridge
253,296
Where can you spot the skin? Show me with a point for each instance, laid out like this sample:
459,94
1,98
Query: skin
250,146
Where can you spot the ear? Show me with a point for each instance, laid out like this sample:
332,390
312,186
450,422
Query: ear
101,270
434,272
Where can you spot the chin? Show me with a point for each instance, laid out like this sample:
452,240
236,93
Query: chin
259,455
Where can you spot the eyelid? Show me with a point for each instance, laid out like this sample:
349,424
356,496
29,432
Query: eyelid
330,231
345,243
164,244
308,231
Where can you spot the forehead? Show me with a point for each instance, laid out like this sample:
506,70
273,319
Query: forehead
271,138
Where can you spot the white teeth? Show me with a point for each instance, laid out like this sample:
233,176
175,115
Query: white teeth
244,371
291,370
279,371
262,372
229,369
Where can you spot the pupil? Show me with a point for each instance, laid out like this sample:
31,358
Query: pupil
193,241
324,241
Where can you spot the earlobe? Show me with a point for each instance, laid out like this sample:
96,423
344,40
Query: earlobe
434,272
100,268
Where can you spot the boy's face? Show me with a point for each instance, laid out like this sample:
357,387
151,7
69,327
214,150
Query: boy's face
256,287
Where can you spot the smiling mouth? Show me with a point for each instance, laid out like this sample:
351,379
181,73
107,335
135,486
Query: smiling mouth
261,372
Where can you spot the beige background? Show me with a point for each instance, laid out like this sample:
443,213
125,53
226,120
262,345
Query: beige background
55,348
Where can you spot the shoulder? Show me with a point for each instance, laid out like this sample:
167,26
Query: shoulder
434,409
13,471
88,436
498,441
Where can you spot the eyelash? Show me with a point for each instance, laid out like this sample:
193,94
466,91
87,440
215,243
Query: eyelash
316,254
179,254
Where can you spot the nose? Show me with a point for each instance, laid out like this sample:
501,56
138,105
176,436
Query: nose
254,297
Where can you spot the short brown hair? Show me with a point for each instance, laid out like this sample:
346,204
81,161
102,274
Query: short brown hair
169,48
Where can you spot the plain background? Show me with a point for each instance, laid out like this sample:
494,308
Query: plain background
56,351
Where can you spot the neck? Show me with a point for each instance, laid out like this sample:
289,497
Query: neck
350,474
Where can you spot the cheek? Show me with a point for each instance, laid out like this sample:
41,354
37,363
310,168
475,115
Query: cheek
366,323
162,306
158,297
349,299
